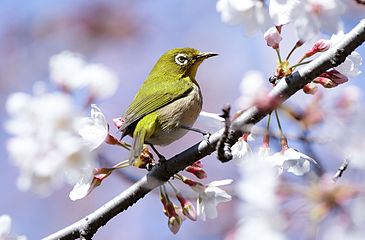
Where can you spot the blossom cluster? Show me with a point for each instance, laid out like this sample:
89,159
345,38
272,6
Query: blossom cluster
5,229
45,126
309,16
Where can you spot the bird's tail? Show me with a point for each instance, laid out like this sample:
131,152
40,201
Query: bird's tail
136,150
144,130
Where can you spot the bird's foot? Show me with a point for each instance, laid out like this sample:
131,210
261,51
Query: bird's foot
161,157
205,134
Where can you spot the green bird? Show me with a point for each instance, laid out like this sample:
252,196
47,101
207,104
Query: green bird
168,102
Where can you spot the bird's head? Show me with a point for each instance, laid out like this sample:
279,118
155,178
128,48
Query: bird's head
182,62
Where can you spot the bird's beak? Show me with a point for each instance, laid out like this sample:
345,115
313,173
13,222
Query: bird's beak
205,55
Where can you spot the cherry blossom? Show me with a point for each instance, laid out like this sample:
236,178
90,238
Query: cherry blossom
240,150
88,182
252,14
70,71
309,16
259,210
292,161
209,197
272,37
64,68
100,80
83,187
5,229
253,88
93,129
45,147
281,11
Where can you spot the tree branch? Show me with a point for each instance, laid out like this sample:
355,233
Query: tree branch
87,227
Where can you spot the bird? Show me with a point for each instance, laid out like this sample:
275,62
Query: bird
168,102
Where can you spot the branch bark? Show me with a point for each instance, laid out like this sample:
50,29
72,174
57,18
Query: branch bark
87,227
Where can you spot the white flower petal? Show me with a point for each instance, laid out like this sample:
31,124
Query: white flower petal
209,197
100,80
250,13
292,161
92,129
200,206
64,67
210,209
46,149
5,225
299,168
281,11
82,188
252,87
240,150
350,67
220,182
17,103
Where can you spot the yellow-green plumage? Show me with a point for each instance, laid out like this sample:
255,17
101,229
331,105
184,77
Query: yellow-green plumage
169,98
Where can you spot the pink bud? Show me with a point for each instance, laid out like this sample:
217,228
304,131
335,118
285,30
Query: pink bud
336,76
174,224
189,211
118,122
187,207
197,171
272,37
189,182
320,46
197,164
310,88
331,79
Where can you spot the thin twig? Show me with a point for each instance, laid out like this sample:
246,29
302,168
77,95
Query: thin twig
341,170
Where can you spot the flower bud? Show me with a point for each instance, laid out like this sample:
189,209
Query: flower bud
272,37
187,207
197,171
331,79
319,46
88,183
189,211
118,122
174,224
197,164
189,182
310,88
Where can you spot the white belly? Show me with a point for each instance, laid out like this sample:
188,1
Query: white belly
182,112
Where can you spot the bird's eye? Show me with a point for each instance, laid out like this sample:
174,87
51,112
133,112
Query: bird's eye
181,59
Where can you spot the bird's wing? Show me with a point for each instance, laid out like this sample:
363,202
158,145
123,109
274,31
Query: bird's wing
154,95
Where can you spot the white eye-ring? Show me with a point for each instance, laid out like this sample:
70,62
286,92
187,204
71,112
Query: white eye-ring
181,59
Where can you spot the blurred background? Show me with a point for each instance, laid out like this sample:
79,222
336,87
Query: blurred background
128,37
